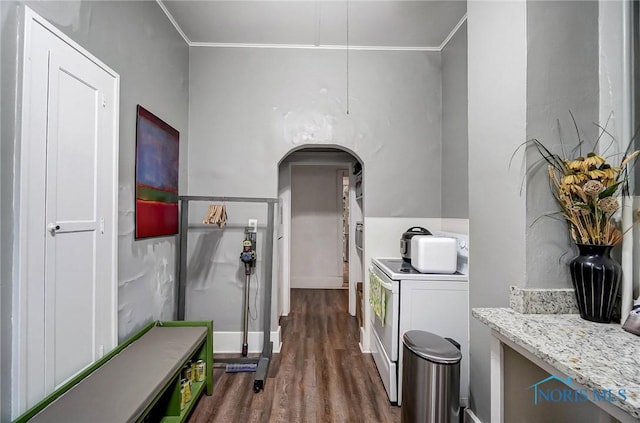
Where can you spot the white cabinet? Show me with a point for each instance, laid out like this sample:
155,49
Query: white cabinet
440,307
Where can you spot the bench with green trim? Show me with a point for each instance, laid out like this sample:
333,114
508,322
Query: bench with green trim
137,381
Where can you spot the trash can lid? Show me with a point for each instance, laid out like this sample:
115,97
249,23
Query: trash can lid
431,347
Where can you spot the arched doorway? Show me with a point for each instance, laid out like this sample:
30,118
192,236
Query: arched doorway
317,222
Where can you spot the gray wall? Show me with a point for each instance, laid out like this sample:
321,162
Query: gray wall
255,105
497,212
316,226
562,75
529,63
215,275
152,61
2,317
455,146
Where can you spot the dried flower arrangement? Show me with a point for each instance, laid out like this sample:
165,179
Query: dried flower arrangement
587,189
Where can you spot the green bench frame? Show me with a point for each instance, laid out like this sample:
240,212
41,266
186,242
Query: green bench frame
169,394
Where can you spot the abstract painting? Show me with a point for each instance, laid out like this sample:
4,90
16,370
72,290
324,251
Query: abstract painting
157,148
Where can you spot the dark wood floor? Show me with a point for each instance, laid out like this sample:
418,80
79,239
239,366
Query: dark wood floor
320,374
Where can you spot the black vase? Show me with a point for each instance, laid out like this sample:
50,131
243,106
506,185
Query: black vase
596,278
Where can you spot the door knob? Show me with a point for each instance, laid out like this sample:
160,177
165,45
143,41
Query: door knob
52,227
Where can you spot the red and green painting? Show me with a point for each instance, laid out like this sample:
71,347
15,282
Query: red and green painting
156,176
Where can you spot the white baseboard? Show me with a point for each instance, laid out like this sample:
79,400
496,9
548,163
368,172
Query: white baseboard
324,282
362,350
231,342
470,417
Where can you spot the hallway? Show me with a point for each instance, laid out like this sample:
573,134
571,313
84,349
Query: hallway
320,374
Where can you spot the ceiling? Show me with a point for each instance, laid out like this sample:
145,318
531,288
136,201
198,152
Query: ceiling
379,24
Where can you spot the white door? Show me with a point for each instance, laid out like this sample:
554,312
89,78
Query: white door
77,276
71,217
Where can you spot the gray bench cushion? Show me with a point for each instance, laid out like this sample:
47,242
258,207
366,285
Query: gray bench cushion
121,389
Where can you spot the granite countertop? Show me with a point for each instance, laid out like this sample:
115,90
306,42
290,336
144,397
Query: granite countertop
595,355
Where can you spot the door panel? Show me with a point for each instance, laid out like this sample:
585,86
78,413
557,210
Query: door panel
387,369
72,210
387,331
75,133
73,321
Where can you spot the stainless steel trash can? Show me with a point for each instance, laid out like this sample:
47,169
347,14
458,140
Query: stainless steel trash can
430,379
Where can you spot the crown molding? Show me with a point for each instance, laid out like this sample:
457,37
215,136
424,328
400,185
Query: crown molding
453,32
173,22
313,47
309,46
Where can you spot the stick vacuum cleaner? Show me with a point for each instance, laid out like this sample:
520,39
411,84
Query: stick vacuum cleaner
248,257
